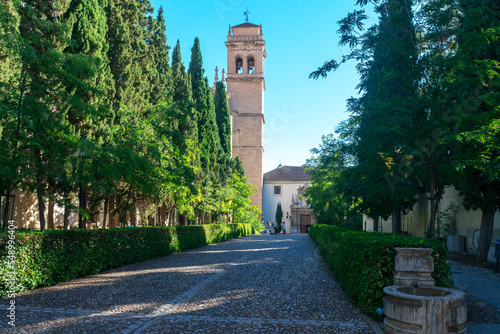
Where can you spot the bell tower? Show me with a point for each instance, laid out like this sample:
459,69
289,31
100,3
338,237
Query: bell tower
245,85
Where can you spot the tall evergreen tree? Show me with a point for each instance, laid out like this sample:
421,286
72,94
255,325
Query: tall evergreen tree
13,80
56,84
130,60
279,218
223,124
223,117
183,96
177,58
89,38
208,134
162,78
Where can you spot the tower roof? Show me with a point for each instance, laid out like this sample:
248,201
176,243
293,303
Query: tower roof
287,173
246,25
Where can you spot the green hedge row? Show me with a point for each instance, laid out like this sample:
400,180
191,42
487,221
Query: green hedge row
363,262
53,256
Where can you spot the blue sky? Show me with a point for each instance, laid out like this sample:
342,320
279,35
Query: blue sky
300,36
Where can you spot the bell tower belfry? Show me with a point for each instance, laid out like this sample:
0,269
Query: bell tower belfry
245,85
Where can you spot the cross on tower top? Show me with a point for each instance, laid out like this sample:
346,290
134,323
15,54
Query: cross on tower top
246,14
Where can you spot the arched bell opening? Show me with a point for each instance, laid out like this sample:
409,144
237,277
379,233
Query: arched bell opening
239,65
251,64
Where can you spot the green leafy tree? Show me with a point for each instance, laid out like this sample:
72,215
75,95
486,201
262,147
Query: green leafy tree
382,123
239,202
88,37
13,85
476,83
328,168
55,87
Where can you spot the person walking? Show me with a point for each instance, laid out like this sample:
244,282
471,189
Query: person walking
284,228
268,228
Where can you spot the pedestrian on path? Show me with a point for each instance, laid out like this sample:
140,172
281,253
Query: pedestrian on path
284,228
268,228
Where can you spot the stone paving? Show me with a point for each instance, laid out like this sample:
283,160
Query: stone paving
482,288
255,284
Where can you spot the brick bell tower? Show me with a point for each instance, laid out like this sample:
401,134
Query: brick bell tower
245,85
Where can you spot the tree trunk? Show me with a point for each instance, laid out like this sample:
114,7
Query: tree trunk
375,224
105,213
41,211
50,214
5,221
117,220
432,219
133,216
182,220
163,215
485,233
66,217
168,221
111,208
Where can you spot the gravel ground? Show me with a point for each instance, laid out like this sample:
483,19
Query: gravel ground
255,284
476,271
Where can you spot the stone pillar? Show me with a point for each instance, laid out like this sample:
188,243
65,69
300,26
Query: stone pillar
413,266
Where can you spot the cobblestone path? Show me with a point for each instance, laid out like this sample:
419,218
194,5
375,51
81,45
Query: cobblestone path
255,284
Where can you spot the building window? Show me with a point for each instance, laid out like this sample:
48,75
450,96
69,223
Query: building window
277,190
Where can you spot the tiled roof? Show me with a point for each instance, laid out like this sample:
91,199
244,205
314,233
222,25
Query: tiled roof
287,173
246,25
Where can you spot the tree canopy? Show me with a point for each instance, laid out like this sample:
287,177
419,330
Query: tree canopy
94,118
427,115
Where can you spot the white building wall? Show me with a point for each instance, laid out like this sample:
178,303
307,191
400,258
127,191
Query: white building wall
270,201
415,222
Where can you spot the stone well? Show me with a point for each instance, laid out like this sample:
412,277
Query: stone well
424,310
413,266
414,305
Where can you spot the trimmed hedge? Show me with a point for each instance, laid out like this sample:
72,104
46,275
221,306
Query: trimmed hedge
363,262
53,256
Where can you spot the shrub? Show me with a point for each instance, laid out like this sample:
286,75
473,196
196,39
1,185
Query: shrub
53,256
363,262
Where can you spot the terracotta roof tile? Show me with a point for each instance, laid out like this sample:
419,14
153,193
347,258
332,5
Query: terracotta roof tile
287,173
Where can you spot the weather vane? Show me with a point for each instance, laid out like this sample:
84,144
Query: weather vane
246,13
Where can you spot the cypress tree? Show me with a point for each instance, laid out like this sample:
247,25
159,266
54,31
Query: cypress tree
57,83
279,217
223,124
130,60
89,35
162,78
177,58
183,96
208,134
223,118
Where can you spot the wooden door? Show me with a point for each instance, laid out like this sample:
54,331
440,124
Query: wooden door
305,223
